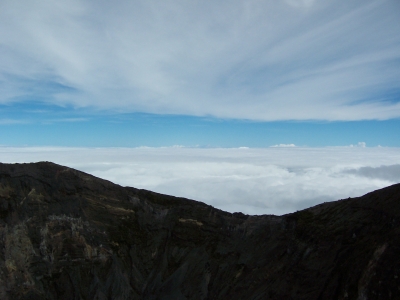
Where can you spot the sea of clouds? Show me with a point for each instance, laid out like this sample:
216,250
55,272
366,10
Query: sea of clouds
274,180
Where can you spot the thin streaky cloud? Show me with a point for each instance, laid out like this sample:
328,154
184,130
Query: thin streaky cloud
13,122
256,60
67,120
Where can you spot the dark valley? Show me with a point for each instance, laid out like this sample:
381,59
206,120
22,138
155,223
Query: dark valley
68,235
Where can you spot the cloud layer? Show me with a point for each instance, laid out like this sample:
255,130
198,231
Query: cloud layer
253,181
260,60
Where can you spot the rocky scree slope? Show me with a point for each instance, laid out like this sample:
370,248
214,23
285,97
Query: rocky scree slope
68,235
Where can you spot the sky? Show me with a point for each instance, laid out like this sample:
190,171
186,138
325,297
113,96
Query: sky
310,75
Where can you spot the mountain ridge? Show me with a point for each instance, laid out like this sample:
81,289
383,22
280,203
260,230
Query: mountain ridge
69,235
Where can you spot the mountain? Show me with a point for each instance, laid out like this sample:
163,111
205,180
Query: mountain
68,235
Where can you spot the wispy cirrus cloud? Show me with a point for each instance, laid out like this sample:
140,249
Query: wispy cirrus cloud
12,121
65,120
259,60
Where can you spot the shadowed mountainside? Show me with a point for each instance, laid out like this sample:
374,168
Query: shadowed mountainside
69,235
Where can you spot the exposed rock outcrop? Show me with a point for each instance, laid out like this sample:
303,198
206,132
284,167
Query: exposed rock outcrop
68,235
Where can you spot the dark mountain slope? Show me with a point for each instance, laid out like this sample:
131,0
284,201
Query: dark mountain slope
68,235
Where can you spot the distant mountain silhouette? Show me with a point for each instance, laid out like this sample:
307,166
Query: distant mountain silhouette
69,235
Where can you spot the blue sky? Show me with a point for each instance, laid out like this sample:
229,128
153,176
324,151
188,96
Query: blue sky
26,124
193,73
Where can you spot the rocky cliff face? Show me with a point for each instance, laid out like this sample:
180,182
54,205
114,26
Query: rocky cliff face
68,235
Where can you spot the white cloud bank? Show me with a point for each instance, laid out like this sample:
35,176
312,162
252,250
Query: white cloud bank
254,181
251,59
284,146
